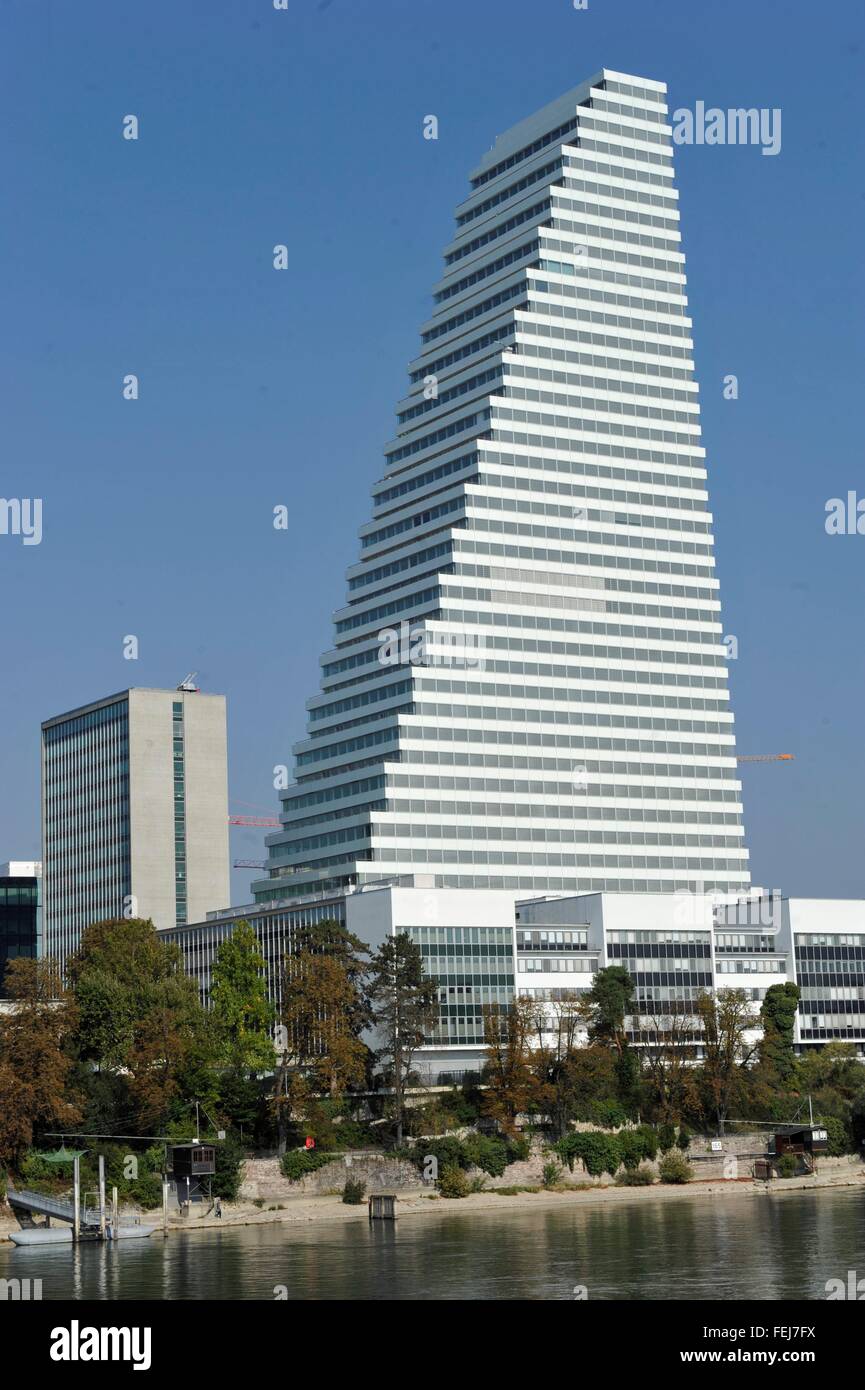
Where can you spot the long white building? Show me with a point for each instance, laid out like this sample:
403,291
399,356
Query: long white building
527,689
486,947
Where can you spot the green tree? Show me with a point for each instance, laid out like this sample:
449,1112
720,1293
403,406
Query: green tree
241,1013
776,1051
404,1003
139,1015
607,1004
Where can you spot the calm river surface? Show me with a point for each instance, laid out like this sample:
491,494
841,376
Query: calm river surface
754,1247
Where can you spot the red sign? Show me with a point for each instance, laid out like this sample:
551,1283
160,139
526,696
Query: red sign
310,1142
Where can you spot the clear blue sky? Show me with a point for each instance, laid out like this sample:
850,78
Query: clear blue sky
260,388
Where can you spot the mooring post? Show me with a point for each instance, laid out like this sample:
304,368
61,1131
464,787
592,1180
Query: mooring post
101,1196
76,1198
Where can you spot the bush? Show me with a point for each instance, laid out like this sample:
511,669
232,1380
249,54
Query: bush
39,1176
632,1147
787,1166
146,1190
295,1164
453,1182
666,1138
649,1141
353,1134
491,1155
552,1174
229,1161
353,1193
519,1148
448,1151
599,1152
607,1114
675,1168
462,1105
635,1177
684,1139
840,1137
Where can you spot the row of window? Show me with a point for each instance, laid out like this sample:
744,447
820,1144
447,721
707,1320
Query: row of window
580,244
551,965
747,966
518,369
546,939
499,230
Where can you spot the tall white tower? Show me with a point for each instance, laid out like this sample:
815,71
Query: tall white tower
527,688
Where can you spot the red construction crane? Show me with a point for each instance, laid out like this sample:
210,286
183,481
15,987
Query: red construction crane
254,820
764,757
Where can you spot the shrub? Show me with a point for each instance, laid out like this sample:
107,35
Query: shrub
453,1182
229,1160
649,1141
146,1190
491,1155
295,1164
39,1176
608,1114
788,1166
684,1138
635,1177
477,1184
353,1134
353,1193
675,1168
600,1153
519,1148
840,1137
666,1138
632,1147
462,1105
448,1151
552,1174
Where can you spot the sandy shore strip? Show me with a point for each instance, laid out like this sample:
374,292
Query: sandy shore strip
304,1211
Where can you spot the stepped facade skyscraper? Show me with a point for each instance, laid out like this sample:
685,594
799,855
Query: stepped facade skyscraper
527,687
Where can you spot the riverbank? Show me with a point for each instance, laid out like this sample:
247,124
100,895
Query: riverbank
314,1210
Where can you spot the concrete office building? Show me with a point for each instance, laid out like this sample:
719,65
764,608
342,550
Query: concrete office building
527,689
20,912
485,947
134,812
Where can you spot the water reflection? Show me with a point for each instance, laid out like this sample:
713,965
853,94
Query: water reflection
754,1247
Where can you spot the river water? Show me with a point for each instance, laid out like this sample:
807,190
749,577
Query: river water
752,1247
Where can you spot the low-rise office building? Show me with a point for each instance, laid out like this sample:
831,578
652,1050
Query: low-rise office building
485,947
